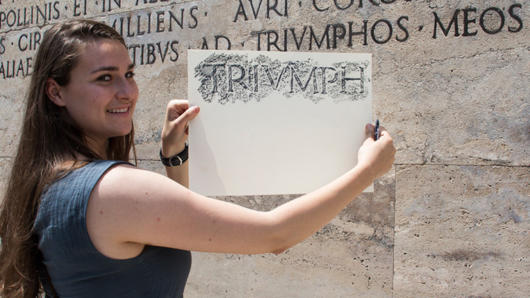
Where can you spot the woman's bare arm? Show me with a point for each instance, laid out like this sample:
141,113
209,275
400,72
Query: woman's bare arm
135,206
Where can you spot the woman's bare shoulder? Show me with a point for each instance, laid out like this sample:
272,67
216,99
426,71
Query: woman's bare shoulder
124,199
126,179
103,220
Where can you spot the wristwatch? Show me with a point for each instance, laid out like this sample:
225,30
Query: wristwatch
175,160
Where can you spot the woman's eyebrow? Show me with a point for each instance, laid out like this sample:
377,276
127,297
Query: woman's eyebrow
111,68
105,68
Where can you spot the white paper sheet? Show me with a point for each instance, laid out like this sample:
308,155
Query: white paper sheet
275,122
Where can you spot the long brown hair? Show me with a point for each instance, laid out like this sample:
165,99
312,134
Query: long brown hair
49,138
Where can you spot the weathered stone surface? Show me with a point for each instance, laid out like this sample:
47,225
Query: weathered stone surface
457,98
449,84
36,13
5,169
467,115
462,231
352,255
10,124
440,94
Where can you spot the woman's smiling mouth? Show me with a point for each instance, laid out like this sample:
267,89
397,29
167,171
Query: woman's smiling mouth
115,111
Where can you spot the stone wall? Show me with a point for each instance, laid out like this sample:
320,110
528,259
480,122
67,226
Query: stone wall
451,83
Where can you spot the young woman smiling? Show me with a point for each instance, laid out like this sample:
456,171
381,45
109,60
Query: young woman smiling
78,220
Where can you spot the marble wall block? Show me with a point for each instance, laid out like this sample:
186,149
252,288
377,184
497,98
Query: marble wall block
462,231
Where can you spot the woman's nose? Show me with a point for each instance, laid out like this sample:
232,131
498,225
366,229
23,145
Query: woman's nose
126,89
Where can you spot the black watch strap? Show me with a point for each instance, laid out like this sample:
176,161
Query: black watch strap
175,160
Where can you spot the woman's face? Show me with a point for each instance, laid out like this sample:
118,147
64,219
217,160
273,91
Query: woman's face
102,92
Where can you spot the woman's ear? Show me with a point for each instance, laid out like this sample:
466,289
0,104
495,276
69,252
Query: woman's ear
53,90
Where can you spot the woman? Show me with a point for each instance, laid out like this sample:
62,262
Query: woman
79,221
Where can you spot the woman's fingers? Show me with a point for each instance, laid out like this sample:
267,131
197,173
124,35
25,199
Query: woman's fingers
183,120
175,108
384,132
369,130
174,132
179,114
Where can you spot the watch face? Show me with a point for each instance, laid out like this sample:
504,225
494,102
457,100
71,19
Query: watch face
176,161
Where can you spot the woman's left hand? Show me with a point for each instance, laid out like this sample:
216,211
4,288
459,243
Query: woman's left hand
175,131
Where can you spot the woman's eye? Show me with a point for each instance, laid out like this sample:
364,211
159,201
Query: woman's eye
105,78
129,74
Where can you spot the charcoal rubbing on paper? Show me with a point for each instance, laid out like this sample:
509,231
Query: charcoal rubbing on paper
230,78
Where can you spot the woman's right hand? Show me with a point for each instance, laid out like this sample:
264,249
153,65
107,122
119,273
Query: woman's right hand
376,156
175,130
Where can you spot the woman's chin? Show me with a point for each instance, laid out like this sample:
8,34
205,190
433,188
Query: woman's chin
123,131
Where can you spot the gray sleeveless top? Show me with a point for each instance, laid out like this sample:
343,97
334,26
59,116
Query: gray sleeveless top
77,268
